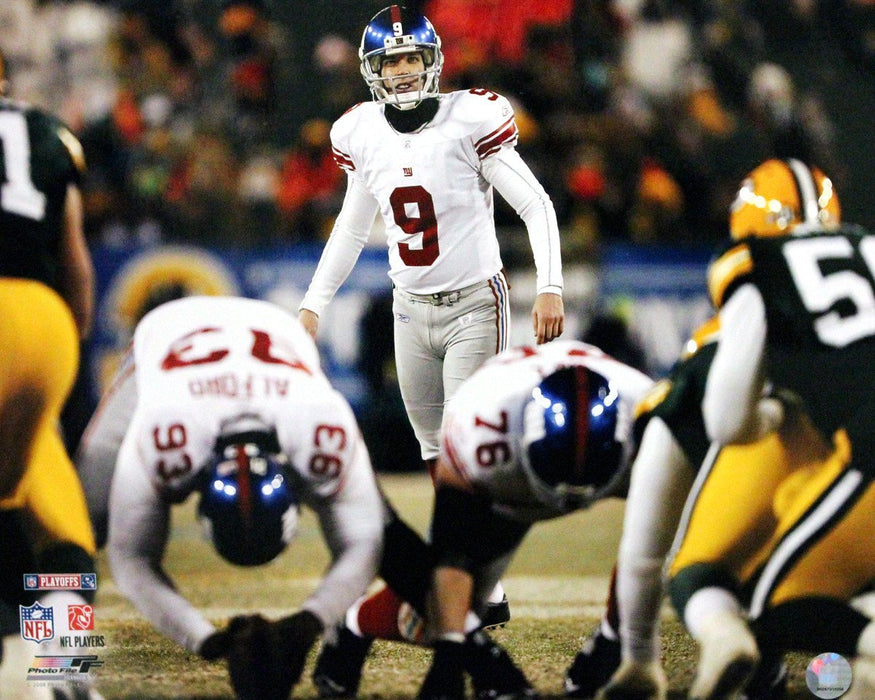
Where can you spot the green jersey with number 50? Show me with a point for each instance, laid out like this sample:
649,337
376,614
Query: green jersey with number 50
39,158
819,294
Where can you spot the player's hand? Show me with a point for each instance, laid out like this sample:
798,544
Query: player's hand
217,645
310,321
548,317
266,659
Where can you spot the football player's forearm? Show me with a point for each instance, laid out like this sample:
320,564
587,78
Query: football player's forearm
77,270
348,237
516,183
346,580
152,594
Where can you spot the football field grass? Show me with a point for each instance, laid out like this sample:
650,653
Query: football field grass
556,585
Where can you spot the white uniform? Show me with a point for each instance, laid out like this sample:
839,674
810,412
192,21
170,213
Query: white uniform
195,363
433,189
483,433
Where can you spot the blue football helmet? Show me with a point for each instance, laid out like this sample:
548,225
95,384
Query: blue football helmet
571,451
248,505
398,30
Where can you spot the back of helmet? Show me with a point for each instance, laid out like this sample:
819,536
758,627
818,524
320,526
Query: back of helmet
248,505
783,197
571,452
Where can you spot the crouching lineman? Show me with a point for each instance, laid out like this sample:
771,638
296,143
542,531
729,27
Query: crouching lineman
676,459
534,434
796,294
278,434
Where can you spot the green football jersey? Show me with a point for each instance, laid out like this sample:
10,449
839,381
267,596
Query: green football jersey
819,295
39,158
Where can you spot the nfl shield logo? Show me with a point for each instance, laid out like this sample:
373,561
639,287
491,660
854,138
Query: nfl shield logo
37,622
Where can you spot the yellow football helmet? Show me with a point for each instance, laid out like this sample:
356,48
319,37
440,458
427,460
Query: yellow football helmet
781,197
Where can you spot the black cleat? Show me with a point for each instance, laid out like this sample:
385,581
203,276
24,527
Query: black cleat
338,669
769,681
496,614
493,673
593,666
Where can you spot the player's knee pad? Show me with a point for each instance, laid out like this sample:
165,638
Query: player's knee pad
407,563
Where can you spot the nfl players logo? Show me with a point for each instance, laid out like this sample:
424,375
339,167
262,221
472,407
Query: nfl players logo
37,623
80,617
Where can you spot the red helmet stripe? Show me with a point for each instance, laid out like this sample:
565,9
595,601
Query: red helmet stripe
581,410
244,483
395,11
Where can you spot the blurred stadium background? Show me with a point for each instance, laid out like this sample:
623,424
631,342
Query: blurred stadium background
205,126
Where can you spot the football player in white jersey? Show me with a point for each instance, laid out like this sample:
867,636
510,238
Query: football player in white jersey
534,434
224,397
428,163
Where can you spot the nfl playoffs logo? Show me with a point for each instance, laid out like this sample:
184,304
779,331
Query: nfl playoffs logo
37,622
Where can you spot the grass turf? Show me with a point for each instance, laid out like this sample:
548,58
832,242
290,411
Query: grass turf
556,584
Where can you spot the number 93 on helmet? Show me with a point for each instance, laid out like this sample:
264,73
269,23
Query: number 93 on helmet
572,448
248,506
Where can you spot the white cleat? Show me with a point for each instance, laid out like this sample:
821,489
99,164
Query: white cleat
727,658
636,680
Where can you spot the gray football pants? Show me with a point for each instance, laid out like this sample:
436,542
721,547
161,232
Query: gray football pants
439,341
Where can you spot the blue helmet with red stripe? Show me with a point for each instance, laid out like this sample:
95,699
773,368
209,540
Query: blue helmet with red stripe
248,505
399,30
571,451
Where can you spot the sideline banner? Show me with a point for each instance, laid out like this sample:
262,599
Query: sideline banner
661,294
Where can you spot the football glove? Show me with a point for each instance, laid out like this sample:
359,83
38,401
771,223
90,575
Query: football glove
215,646
265,659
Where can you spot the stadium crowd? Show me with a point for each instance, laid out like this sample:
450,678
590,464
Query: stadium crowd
208,122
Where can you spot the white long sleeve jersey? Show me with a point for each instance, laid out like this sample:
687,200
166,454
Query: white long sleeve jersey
433,189
482,435
195,363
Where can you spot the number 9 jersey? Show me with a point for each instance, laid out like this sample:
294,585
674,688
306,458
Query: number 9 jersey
483,436
434,190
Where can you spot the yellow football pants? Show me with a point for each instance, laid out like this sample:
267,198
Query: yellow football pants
39,356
